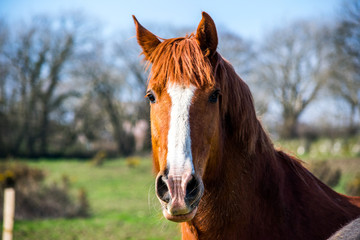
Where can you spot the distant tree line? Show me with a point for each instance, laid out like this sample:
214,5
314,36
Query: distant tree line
62,93
66,90
306,60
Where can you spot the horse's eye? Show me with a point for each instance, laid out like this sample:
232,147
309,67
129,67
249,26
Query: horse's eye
151,97
214,96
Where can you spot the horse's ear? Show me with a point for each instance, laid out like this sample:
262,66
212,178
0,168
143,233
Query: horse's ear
147,40
206,35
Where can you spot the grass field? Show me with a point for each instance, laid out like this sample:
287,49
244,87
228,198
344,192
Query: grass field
122,201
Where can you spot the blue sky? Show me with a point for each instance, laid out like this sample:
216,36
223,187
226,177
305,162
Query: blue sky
250,19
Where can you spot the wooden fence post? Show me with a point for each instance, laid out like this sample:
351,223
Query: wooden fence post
9,211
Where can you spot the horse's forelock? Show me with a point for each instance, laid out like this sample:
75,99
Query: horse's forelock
180,61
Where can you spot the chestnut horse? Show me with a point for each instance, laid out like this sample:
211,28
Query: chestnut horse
217,170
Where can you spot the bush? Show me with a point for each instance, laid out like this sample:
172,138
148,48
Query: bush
35,200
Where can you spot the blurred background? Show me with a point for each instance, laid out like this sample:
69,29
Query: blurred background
74,124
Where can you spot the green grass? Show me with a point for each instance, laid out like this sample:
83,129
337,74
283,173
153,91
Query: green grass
122,200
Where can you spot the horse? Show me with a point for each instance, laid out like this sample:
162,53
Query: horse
218,173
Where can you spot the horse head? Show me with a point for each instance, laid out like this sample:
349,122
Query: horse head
185,114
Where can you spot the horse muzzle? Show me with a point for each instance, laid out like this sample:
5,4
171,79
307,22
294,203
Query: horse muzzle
179,195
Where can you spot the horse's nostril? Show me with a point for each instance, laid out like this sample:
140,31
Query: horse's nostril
170,190
162,189
192,190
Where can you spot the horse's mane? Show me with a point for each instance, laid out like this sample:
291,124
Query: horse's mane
238,109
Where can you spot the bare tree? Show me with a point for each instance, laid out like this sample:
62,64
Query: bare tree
106,89
4,74
127,52
238,51
345,79
106,83
293,68
39,56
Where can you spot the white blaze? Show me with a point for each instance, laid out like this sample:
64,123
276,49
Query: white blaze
179,157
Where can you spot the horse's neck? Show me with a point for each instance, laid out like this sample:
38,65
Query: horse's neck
232,194
270,187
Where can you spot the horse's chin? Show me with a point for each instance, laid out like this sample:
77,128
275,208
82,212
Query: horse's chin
180,218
